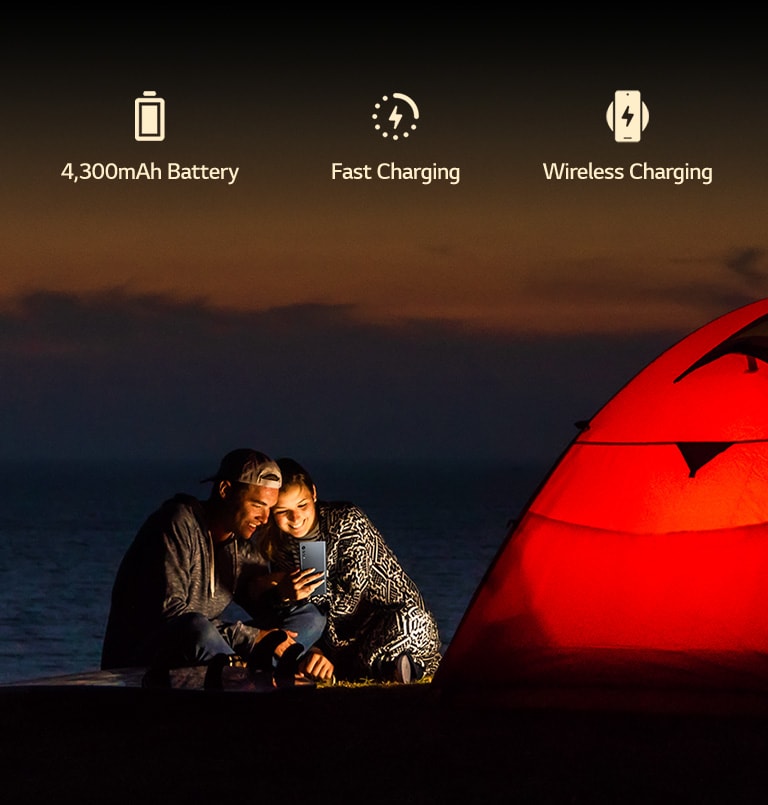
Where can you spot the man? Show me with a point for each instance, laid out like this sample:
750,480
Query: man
187,563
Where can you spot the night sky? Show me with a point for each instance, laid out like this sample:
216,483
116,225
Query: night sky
370,318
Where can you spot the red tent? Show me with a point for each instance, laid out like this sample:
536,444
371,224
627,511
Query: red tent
642,561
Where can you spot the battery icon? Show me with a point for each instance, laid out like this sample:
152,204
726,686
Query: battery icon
149,117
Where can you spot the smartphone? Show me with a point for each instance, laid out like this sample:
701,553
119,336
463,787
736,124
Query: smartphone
312,554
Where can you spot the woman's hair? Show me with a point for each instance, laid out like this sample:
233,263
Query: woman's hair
293,475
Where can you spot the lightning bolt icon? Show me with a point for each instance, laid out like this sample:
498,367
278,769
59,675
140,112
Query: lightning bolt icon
396,118
627,116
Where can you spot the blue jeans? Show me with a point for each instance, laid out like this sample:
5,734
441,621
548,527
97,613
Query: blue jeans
193,639
190,639
307,621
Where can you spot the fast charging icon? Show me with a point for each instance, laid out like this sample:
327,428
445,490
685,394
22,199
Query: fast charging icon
395,116
149,117
627,116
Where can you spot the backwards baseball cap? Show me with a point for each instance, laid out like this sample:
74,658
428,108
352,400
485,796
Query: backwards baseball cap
247,466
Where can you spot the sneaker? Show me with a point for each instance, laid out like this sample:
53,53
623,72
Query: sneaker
214,675
404,671
287,667
263,654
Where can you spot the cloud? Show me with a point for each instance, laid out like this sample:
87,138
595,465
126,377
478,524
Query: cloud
119,374
674,293
749,262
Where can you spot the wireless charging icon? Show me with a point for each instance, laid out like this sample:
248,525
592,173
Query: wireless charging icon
627,116
395,116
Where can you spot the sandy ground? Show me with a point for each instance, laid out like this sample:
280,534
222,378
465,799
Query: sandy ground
380,744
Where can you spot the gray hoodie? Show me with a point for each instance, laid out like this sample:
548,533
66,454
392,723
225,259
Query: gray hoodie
172,567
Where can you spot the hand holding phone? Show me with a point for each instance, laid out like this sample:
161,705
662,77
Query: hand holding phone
312,557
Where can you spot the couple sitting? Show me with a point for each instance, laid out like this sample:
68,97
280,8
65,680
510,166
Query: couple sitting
192,558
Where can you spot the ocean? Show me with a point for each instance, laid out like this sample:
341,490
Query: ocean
65,526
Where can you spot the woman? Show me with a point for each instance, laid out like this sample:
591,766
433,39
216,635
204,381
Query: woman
377,624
